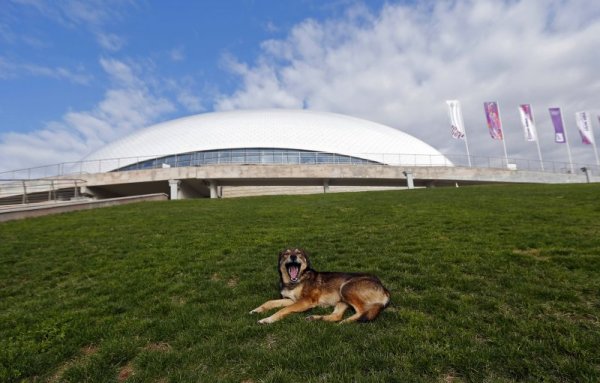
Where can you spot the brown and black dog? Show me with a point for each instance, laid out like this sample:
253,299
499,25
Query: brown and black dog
303,288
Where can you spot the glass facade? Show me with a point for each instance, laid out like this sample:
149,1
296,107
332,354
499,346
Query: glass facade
246,156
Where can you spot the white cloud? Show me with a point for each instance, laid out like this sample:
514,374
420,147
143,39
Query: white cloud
91,12
270,27
6,68
177,54
92,15
88,12
60,73
11,69
110,41
399,65
120,73
127,105
183,90
190,101
6,33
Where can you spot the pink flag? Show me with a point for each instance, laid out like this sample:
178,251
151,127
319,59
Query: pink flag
527,122
584,124
492,114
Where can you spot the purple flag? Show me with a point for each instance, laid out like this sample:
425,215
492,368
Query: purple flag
492,114
559,129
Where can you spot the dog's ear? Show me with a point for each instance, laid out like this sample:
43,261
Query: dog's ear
305,254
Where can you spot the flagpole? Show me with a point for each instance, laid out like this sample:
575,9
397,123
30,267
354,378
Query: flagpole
469,155
537,140
465,135
596,153
594,142
503,136
567,142
505,153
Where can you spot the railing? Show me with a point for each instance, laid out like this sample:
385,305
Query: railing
524,164
304,158
28,191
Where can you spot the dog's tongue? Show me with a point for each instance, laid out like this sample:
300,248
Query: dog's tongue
294,272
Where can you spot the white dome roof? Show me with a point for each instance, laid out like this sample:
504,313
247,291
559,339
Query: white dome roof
274,128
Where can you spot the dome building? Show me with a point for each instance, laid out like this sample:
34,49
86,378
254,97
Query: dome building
276,136
262,137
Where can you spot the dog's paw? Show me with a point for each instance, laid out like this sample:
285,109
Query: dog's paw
256,311
267,320
313,317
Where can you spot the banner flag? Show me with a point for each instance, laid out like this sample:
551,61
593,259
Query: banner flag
492,114
584,124
559,129
527,122
456,120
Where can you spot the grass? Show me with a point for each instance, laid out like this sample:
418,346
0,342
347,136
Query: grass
494,283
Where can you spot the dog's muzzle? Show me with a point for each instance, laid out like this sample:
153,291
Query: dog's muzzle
293,270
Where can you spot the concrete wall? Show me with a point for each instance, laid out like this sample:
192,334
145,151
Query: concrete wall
196,181
246,191
26,211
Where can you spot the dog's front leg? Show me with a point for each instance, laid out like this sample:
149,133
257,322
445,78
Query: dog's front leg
272,304
299,306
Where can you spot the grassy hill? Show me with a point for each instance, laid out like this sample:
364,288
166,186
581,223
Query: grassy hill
495,283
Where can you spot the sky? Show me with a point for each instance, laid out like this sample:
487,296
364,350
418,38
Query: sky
76,75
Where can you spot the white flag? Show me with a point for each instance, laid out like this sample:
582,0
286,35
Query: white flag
584,123
456,120
527,122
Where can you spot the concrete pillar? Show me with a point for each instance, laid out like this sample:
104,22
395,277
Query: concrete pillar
24,193
325,186
76,191
51,191
174,187
409,179
84,190
214,192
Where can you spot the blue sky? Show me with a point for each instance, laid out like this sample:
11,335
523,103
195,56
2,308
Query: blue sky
75,75
51,50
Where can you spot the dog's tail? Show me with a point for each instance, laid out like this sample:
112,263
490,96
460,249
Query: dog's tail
375,309
388,298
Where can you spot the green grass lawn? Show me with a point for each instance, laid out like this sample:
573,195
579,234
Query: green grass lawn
494,283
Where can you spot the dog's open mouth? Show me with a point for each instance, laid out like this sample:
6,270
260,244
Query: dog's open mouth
293,269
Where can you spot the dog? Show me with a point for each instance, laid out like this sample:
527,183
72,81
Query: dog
302,288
